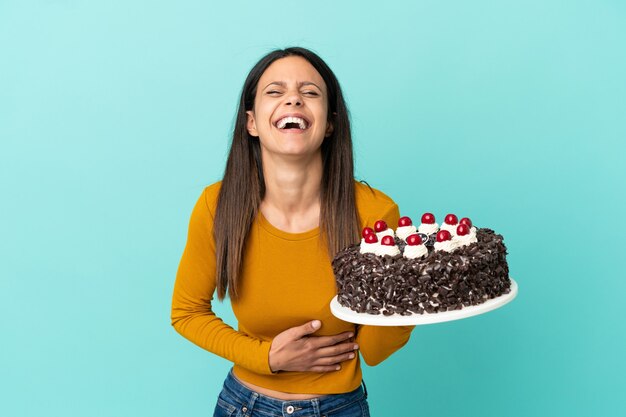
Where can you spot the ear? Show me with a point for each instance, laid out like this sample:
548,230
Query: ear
329,129
251,124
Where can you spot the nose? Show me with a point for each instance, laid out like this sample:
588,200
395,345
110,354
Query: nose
293,99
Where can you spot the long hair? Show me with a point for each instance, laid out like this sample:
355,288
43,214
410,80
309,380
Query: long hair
243,185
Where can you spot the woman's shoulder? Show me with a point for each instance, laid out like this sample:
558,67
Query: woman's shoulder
367,195
373,204
210,194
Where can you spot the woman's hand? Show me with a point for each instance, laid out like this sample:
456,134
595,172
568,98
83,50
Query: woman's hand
294,350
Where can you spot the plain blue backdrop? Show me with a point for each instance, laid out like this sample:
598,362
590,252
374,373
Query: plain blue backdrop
115,114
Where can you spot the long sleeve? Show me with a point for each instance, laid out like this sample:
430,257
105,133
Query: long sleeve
192,315
377,343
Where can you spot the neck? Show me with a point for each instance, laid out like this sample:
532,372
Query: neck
292,192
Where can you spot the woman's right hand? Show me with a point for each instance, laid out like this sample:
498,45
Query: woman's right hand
295,350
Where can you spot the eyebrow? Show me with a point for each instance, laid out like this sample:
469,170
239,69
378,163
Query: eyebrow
300,84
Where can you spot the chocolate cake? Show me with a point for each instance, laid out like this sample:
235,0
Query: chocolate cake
452,272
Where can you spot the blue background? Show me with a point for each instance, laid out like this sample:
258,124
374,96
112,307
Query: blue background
115,114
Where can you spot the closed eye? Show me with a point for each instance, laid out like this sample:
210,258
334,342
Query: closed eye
309,93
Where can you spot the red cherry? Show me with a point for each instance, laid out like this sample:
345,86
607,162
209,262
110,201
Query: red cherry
428,218
404,221
367,231
371,238
466,221
451,219
462,229
443,235
388,241
380,226
414,240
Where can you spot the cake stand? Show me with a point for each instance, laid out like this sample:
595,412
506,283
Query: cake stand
346,314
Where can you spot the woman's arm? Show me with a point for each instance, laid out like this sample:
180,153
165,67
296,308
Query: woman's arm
377,343
192,315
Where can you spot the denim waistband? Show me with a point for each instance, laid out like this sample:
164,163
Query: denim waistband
325,404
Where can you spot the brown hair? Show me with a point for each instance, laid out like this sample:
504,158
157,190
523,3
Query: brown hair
243,186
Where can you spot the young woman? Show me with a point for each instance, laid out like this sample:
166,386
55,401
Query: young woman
265,235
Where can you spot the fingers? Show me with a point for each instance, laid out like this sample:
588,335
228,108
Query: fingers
331,363
323,341
337,350
299,332
332,356
324,368
335,360
307,328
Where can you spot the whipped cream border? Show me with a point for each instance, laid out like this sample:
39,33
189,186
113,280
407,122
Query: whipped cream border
405,231
446,245
467,239
450,228
428,229
386,232
415,251
383,250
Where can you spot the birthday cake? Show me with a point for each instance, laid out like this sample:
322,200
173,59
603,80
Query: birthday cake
424,269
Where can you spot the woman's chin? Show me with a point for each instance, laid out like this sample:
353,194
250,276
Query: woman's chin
300,153
296,148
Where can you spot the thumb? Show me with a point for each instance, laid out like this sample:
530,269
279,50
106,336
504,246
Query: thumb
308,328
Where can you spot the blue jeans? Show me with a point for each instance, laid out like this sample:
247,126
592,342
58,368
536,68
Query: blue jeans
237,400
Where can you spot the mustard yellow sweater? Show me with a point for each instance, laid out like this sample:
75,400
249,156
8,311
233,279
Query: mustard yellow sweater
287,281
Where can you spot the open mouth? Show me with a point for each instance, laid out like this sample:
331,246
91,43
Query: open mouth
292,123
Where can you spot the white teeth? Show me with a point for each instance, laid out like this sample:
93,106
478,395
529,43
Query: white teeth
283,122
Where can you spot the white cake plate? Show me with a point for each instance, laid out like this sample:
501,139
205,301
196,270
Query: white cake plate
346,314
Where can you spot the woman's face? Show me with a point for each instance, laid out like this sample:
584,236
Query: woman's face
290,109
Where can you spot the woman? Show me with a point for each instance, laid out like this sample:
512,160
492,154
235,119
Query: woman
266,235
